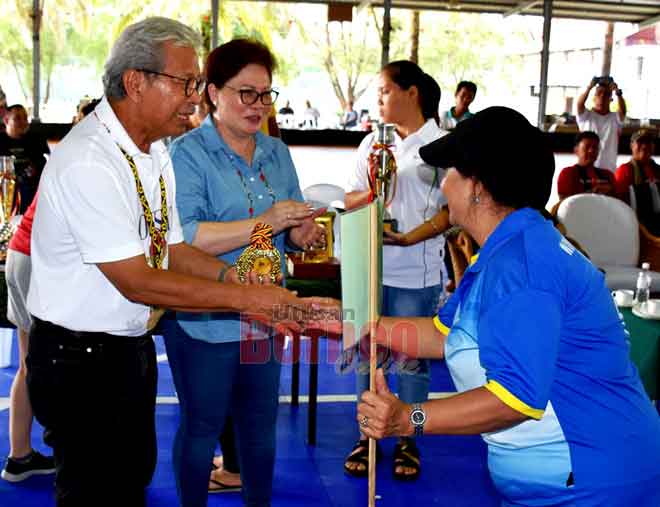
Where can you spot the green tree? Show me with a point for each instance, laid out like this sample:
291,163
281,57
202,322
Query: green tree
456,46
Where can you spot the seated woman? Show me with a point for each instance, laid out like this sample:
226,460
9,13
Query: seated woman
532,339
584,177
638,181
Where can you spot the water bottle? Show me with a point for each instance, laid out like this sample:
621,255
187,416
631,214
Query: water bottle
643,288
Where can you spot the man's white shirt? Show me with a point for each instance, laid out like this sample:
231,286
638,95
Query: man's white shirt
89,213
608,127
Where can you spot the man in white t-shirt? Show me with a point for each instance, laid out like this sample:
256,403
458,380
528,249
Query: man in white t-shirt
107,254
607,124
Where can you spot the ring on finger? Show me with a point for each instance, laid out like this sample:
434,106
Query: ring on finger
364,422
260,278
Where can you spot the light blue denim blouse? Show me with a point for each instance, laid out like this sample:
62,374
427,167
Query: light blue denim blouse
209,189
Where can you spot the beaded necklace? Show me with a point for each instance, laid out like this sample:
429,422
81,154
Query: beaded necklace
248,193
158,235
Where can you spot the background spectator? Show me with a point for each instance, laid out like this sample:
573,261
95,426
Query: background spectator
350,118
585,177
464,95
607,124
29,150
637,181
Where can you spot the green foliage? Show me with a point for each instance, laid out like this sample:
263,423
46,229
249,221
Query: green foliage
80,33
456,46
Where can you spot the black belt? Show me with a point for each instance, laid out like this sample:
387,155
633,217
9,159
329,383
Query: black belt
50,332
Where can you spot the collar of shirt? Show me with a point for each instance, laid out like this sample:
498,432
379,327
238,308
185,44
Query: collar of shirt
424,135
515,222
214,141
110,124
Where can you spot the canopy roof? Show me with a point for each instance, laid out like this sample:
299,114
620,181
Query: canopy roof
635,11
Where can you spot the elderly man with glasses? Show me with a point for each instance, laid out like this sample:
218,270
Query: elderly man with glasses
107,256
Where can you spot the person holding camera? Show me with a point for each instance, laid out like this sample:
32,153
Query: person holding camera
607,124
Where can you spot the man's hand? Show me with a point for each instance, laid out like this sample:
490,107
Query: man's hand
381,414
326,316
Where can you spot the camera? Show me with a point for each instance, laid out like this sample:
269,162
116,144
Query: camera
604,80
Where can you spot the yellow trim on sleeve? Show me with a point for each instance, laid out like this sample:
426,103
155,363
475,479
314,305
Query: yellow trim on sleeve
440,326
473,259
509,399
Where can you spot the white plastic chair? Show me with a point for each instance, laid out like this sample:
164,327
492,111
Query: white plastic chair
607,228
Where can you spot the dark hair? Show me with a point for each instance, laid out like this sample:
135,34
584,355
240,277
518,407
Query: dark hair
89,107
587,134
15,106
466,84
499,148
406,74
227,60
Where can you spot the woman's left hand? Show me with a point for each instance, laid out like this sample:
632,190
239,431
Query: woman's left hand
381,414
309,234
394,238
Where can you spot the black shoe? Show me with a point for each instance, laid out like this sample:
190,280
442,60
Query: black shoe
38,464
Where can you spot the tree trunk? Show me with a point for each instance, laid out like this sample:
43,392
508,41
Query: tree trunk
607,50
414,37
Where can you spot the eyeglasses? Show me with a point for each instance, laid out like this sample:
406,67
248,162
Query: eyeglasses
250,96
191,84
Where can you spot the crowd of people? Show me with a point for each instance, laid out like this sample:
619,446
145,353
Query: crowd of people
126,227
637,182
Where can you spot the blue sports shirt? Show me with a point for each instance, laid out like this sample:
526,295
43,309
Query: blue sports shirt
533,322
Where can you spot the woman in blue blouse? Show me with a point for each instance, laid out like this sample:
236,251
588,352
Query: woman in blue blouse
229,177
532,338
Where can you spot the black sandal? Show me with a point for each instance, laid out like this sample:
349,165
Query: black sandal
406,455
360,455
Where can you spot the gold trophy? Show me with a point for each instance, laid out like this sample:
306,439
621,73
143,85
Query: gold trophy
261,256
323,254
382,167
7,187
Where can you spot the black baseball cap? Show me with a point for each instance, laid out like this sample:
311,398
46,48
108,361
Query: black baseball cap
498,146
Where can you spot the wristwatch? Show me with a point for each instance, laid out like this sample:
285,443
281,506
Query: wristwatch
417,419
619,92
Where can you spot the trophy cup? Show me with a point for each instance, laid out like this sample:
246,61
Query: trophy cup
382,167
261,256
7,187
324,253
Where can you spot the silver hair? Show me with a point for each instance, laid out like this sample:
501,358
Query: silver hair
140,46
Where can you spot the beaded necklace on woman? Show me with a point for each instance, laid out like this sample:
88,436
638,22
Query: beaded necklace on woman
262,177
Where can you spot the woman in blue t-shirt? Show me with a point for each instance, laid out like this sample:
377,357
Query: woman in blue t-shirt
533,341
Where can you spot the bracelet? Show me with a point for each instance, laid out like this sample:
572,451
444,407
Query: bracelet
223,272
435,227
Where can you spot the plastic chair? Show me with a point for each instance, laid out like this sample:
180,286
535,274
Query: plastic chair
607,228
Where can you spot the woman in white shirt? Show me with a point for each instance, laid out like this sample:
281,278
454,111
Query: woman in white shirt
413,274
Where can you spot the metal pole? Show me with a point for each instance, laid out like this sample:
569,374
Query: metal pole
36,59
545,59
387,28
215,7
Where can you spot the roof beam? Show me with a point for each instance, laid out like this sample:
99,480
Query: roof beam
523,6
649,21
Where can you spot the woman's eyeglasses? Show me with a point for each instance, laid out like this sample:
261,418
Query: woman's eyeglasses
191,84
249,96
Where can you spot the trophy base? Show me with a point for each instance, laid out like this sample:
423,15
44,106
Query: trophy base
390,225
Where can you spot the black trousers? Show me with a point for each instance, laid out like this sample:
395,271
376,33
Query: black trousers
95,394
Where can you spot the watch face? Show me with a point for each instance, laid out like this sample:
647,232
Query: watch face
418,417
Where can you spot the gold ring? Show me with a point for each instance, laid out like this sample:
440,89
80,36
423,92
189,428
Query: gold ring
364,422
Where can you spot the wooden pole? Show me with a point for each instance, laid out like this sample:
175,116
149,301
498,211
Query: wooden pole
374,274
